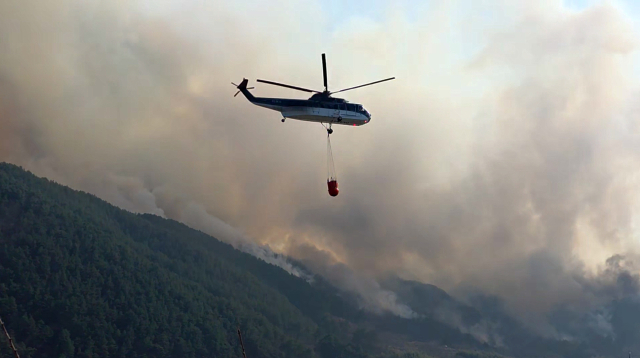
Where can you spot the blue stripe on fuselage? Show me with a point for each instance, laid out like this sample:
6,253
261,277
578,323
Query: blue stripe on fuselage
283,102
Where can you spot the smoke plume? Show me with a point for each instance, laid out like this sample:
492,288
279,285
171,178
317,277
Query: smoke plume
503,157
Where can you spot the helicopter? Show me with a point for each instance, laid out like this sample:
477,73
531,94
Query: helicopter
320,107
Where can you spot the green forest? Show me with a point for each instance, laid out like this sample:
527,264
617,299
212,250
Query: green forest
82,278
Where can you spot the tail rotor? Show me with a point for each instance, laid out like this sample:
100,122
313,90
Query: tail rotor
236,86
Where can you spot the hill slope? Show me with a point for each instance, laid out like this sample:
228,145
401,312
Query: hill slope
82,278
79,277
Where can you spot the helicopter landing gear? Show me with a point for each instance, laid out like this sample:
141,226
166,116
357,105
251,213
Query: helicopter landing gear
339,119
282,120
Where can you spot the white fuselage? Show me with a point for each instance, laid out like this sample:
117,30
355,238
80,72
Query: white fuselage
317,114
322,115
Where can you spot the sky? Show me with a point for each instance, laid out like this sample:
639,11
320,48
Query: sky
502,158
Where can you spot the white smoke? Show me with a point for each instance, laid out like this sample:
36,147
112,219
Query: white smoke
504,156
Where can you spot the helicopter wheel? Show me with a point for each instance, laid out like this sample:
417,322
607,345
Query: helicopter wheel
282,120
330,131
339,119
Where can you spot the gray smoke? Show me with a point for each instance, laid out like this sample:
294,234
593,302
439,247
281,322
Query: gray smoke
504,157
371,295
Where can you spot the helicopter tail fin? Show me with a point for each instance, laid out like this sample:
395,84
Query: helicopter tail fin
242,87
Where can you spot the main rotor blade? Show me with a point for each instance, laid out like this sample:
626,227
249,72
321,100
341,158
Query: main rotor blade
324,72
346,89
288,86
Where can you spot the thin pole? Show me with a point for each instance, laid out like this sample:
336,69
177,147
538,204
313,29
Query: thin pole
241,344
15,351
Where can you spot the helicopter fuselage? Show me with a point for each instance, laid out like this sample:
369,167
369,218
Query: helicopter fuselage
318,108
314,111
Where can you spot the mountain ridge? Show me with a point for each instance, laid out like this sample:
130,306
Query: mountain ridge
80,277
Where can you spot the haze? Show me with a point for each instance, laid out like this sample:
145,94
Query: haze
503,157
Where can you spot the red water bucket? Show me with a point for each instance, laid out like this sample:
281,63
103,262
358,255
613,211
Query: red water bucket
333,187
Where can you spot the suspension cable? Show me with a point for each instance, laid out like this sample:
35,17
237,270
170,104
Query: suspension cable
331,169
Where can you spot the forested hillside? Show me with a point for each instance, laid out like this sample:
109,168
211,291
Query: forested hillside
82,278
